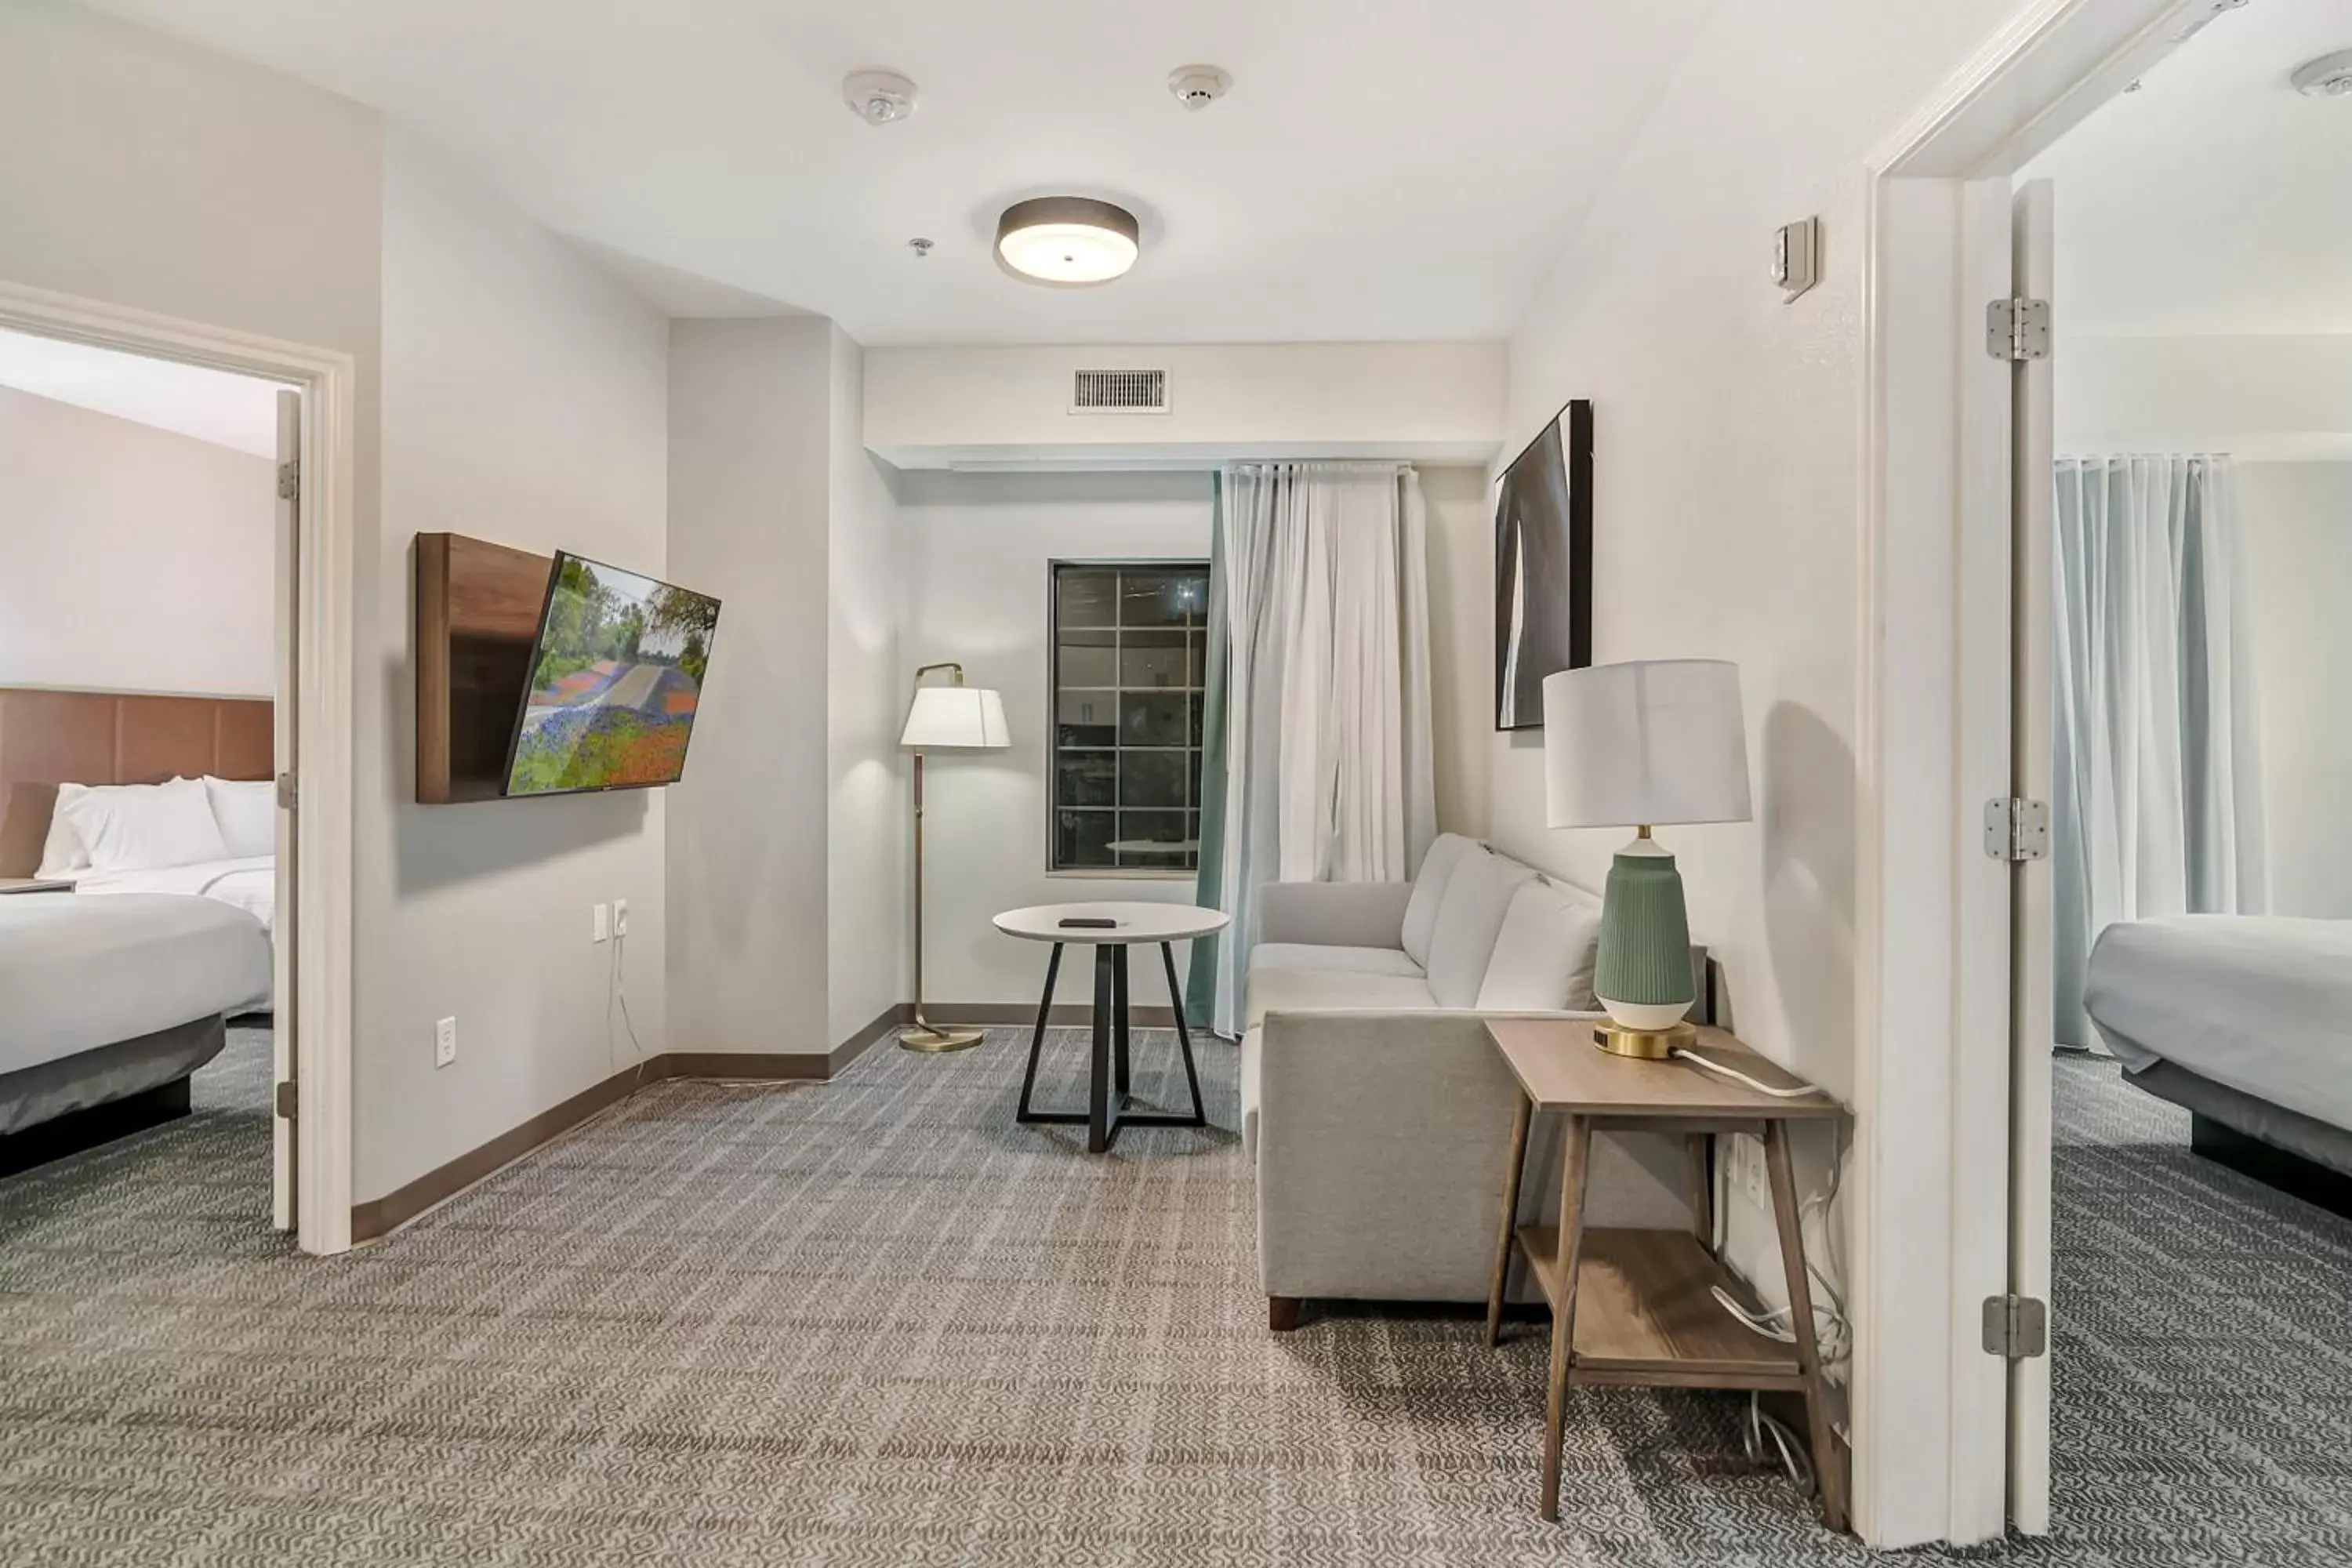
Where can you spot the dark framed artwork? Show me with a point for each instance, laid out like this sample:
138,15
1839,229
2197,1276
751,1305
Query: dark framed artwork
1543,566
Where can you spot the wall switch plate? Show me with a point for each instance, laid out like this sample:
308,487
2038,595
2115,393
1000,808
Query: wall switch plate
1797,257
620,917
1744,1170
600,922
444,1042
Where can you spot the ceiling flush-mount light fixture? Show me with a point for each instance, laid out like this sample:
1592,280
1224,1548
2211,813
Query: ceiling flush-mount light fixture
2330,76
1067,242
879,98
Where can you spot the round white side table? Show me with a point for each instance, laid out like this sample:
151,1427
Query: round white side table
1108,1071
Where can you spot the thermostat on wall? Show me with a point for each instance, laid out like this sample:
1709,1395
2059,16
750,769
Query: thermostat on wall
1797,257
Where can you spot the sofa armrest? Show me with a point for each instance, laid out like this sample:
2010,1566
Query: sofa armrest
1381,1147
1333,914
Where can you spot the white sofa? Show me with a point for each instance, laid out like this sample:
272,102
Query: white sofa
1375,1108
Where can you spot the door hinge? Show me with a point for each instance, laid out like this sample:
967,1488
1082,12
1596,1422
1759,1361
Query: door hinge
287,1101
287,792
2018,329
290,479
2016,1328
2017,829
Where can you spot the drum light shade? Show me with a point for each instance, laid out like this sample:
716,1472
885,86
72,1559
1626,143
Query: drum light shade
955,719
1069,242
1644,744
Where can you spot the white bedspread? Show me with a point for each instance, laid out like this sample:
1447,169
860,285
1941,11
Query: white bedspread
77,974
250,885
2261,1004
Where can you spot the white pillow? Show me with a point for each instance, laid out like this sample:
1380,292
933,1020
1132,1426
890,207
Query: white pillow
1477,896
144,827
1438,864
247,810
1544,954
64,856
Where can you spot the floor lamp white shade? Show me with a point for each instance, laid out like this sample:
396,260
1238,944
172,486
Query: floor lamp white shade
952,718
955,719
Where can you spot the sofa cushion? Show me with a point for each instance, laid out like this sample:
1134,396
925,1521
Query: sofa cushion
1477,896
1332,991
1324,959
1544,953
1438,864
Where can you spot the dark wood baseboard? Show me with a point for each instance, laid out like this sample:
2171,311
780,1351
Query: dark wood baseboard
2271,1165
382,1215
80,1129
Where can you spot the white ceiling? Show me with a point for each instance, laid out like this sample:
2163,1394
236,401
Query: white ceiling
215,406
1382,169
2216,199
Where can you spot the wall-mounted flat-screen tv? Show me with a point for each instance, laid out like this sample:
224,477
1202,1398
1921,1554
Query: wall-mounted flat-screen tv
615,680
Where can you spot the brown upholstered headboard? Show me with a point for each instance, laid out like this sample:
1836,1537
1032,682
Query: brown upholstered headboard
50,738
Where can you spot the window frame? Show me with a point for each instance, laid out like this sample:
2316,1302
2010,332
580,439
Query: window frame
1052,727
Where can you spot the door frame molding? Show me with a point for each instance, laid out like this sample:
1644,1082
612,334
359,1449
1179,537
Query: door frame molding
323,687
1930,1415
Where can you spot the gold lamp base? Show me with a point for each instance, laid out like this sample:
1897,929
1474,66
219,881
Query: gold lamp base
931,1041
1646,1045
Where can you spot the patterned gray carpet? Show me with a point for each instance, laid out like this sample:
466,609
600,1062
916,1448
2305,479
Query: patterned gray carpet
877,1324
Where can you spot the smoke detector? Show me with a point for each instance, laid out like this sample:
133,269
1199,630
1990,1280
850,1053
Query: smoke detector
1197,87
879,98
2330,76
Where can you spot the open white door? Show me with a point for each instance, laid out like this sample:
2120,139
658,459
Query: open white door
282,1141
2033,922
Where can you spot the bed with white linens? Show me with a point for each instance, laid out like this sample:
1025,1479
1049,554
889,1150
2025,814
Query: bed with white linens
2246,1020
157,815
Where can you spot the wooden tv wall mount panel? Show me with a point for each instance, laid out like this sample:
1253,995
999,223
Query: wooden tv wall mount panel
478,607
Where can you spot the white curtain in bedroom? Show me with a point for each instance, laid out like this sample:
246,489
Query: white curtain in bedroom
2158,807
1327,764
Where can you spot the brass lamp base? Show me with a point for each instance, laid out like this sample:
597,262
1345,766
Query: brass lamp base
1646,1045
931,1041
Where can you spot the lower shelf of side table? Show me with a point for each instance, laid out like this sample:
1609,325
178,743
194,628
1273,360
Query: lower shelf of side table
1646,1317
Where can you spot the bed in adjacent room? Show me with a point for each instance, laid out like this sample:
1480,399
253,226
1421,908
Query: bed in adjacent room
2246,1020
157,815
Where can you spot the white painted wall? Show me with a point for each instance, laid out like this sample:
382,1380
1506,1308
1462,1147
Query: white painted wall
976,547
525,401
866,821
749,509
934,407
2298,546
2262,399
133,559
1728,481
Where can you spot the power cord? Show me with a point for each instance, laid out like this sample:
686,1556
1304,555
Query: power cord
1717,1068
618,991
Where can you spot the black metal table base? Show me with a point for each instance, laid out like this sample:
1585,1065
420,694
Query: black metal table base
1107,1074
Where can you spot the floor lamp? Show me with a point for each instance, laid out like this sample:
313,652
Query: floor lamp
951,718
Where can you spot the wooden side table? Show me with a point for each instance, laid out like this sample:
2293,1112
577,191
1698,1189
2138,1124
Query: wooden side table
1634,1308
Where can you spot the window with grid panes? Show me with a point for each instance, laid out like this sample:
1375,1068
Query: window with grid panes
1130,663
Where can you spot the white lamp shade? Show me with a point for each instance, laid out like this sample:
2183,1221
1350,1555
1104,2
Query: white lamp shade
955,719
1653,742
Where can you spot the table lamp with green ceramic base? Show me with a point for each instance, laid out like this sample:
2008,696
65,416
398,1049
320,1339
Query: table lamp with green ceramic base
1639,745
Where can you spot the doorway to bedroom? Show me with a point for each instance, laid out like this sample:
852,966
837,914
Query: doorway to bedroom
148,657
2184,953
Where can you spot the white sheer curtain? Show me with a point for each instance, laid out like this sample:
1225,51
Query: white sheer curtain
2159,802
1328,766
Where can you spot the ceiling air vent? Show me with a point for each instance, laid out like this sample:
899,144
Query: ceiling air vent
1119,392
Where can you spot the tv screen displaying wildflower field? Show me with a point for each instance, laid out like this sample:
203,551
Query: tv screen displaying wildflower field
615,678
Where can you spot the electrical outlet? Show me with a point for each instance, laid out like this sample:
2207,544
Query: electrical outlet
600,922
444,1042
620,917
1744,1169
